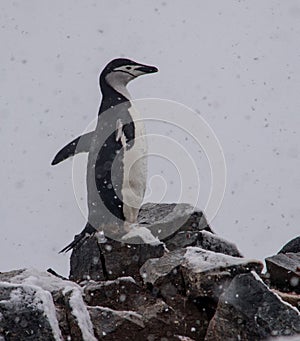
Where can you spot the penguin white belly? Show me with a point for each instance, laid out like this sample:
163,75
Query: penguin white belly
135,170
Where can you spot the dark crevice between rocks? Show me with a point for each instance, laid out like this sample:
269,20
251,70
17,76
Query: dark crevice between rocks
103,264
62,313
207,303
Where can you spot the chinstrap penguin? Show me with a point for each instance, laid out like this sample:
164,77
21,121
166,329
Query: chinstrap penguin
117,153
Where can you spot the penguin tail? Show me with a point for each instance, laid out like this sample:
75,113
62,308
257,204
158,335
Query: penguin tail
79,239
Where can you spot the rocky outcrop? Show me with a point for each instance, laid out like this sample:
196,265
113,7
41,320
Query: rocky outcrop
248,310
111,259
186,283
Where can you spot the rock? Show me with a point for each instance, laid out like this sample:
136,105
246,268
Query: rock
111,259
157,322
164,220
79,320
163,322
182,239
164,274
115,325
27,313
143,288
124,294
284,271
195,272
176,224
87,262
212,242
203,239
248,310
120,294
35,305
292,299
207,273
291,246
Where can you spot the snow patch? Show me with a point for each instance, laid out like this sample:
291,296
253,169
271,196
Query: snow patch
81,313
201,260
129,315
43,280
47,305
107,283
142,232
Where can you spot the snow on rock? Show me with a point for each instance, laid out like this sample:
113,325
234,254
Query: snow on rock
43,280
126,314
197,271
139,234
200,290
32,295
203,239
30,310
200,260
109,323
208,273
80,312
255,275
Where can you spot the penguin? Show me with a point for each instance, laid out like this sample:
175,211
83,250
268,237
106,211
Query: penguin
117,155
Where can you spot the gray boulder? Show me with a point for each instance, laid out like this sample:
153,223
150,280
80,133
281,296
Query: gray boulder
195,272
248,310
203,239
110,259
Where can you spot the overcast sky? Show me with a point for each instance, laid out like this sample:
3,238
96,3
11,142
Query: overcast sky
236,63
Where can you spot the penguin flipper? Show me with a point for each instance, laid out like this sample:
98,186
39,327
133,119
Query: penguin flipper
74,147
86,233
129,132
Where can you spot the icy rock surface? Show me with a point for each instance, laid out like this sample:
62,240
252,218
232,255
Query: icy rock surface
191,285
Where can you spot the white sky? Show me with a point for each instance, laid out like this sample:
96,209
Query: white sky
235,62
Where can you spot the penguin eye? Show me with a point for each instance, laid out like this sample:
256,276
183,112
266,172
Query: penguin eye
128,67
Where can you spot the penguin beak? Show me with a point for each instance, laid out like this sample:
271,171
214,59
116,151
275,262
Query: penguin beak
146,69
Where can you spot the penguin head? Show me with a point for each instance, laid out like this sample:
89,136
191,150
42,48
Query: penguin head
121,71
